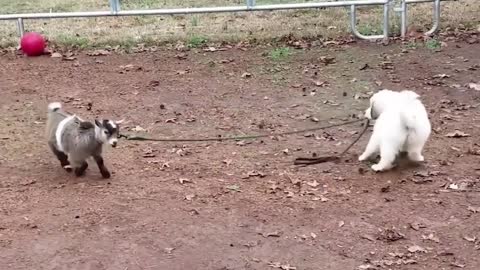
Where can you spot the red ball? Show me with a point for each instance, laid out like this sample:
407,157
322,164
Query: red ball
33,44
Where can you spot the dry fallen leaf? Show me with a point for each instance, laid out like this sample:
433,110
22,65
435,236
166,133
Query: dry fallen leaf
182,72
171,120
453,186
441,76
366,267
168,250
327,60
470,239
98,53
320,83
184,180
457,264
189,197
313,184
246,75
138,129
56,55
416,248
254,174
457,134
473,209
368,237
148,153
281,266
391,235
272,234
431,237
233,188
474,86
69,58
321,198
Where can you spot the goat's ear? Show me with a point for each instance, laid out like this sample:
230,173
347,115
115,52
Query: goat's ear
97,123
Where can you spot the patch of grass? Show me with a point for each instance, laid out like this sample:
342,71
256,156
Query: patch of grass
72,41
368,29
433,44
232,27
194,21
280,54
196,41
411,45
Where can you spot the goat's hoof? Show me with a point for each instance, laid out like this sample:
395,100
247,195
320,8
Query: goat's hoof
106,175
79,172
68,168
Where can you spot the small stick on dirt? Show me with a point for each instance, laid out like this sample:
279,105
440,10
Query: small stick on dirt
323,159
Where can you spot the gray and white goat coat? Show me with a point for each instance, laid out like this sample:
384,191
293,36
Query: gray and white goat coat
74,140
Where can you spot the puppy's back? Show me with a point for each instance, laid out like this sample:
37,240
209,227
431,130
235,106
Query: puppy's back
415,117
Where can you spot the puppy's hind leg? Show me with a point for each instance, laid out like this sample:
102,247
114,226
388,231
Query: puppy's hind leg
414,149
388,154
372,148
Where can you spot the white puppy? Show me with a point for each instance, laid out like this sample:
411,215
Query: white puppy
402,125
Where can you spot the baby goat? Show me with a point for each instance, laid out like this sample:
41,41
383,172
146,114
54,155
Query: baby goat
74,140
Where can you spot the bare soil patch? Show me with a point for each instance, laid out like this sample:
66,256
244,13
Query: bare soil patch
240,205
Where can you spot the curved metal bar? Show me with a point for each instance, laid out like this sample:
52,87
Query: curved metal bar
353,23
436,18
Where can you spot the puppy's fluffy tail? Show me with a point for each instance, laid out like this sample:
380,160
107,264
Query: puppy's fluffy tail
54,106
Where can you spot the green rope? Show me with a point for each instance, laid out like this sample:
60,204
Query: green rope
236,138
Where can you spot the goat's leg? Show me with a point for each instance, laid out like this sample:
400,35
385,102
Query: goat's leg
63,158
79,171
101,166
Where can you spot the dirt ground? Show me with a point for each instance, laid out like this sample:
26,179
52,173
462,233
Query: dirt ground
240,205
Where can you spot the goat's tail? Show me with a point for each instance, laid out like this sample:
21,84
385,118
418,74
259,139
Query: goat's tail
53,118
54,106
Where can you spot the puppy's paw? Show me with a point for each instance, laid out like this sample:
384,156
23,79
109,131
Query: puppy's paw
377,168
416,157
420,158
362,157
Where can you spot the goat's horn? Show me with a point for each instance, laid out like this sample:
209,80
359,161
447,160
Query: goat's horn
120,121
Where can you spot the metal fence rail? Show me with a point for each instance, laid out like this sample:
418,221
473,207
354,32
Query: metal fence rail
250,6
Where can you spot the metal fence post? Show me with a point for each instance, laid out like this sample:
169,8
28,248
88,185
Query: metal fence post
403,10
250,3
20,27
114,6
386,20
